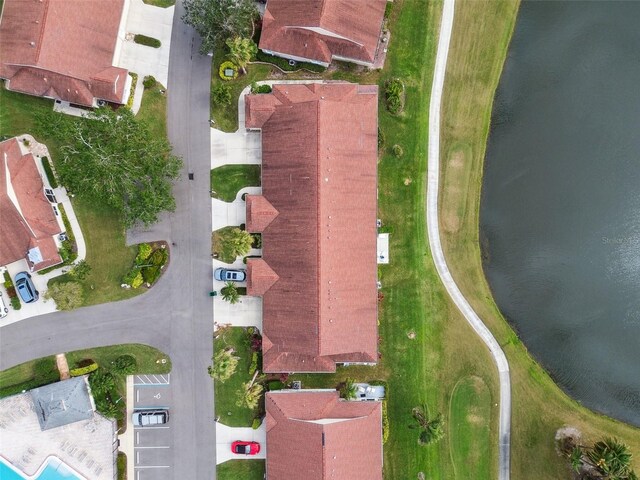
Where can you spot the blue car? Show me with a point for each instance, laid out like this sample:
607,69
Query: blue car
25,288
227,275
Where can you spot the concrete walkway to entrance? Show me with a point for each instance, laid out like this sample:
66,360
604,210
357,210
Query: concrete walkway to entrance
226,435
225,214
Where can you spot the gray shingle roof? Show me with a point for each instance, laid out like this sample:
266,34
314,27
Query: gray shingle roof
62,403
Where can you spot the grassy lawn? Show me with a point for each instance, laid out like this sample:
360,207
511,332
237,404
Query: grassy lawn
160,3
28,375
539,406
228,180
225,393
226,116
107,253
469,418
153,110
241,469
43,371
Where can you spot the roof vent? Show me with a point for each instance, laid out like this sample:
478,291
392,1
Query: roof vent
33,44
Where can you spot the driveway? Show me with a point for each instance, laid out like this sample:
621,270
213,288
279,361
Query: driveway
246,313
240,147
225,214
227,435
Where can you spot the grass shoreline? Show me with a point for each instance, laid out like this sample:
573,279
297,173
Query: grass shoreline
540,406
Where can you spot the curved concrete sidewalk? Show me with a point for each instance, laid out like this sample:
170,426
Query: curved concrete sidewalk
436,246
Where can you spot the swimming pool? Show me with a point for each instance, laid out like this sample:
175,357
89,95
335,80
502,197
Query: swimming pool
52,469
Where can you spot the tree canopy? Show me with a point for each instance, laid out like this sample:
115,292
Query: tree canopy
217,20
241,51
113,158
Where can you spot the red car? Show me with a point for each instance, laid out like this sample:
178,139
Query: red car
245,448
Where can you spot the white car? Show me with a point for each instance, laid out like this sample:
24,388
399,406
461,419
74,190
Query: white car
149,418
4,311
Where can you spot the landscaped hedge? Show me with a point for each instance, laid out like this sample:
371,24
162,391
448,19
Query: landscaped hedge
258,89
228,65
147,267
132,91
394,95
77,372
49,172
283,63
254,363
385,422
148,41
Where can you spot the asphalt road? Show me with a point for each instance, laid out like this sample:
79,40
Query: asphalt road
433,227
175,316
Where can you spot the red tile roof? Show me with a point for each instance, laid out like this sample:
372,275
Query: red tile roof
260,213
62,49
319,172
319,436
321,29
260,277
32,222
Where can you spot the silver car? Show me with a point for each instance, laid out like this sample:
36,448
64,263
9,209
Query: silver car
149,418
4,311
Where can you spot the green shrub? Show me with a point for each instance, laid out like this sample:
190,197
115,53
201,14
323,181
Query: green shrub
148,41
26,142
257,240
254,363
159,257
144,251
77,372
151,274
125,365
221,94
381,139
397,151
66,251
256,423
134,82
15,303
80,270
275,385
133,278
228,65
11,292
258,89
394,91
149,82
67,295
7,279
49,172
385,422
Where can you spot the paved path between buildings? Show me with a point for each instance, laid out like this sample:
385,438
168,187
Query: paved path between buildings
433,228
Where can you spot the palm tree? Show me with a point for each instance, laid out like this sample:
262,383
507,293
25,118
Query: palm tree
432,429
249,395
230,293
241,51
348,390
611,458
576,458
235,243
224,365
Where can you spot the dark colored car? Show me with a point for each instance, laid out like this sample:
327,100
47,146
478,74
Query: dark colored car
149,418
245,448
228,275
25,288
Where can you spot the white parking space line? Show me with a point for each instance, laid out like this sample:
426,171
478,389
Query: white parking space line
155,447
137,396
148,429
137,438
152,380
137,457
154,466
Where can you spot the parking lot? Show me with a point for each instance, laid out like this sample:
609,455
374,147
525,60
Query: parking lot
152,444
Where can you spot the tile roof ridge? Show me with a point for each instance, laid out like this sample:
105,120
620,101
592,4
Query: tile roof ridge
318,227
42,27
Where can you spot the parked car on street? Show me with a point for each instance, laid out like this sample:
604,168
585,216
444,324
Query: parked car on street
228,275
245,448
4,311
149,418
25,288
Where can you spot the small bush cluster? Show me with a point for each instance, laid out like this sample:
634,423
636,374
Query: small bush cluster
254,363
46,164
77,372
149,82
256,423
147,41
257,240
385,422
394,93
221,94
148,266
125,365
134,82
228,65
258,89
11,292
15,303
381,139
397,151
